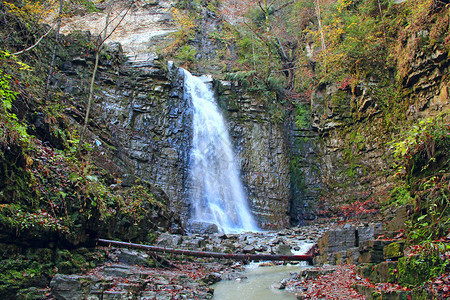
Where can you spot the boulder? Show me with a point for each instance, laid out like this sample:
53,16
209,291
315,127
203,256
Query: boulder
394,250
283,249
249,249
70,287
203,228
133,257
169,240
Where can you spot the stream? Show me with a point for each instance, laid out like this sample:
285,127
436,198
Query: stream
258,285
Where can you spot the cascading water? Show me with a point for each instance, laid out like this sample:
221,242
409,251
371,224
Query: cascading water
216,191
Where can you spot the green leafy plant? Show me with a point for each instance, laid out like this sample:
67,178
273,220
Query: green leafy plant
429,262
187,54
9,119
400,195
418,149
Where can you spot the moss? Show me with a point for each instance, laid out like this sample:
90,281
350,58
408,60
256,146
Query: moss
415,270
420,294
32,293
19,272
393,250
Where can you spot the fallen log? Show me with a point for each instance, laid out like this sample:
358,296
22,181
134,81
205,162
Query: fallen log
244,257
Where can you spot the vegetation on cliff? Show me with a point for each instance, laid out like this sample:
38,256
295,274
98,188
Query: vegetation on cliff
371,76
54,195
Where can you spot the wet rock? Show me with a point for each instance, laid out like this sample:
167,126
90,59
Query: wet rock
118,270
203,228
133,257
283,249
69,287
316,272
222,236
249,249
212,278
169,240
193,243
116,295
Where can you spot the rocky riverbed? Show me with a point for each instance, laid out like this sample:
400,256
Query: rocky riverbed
131,274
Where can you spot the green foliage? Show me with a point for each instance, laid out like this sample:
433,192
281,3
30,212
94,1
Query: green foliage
181,49
186,54
302,116
422,165
137,200
418,149
355,38
8,119
417,269
431,219
87,4
13,217
7,96
188,4
400,195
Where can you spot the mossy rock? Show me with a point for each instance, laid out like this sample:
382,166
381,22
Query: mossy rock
65,267
382,272
42,255
417,269
394,250
32,294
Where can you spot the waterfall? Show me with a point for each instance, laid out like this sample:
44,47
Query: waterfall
216,191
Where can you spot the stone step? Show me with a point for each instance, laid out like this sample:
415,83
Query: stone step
382,272
371,293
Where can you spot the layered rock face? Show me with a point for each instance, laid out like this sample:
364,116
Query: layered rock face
142,105
152,119
346,154
263,155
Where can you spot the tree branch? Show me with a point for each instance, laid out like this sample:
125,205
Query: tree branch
58,22
38,41
117,25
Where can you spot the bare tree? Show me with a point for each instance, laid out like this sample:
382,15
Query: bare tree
58,26
100,42
319,19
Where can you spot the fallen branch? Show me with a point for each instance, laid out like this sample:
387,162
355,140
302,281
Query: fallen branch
244,257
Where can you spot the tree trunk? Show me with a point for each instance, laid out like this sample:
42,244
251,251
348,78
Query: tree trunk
52,63
309,256
382,19
94,74
319,19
